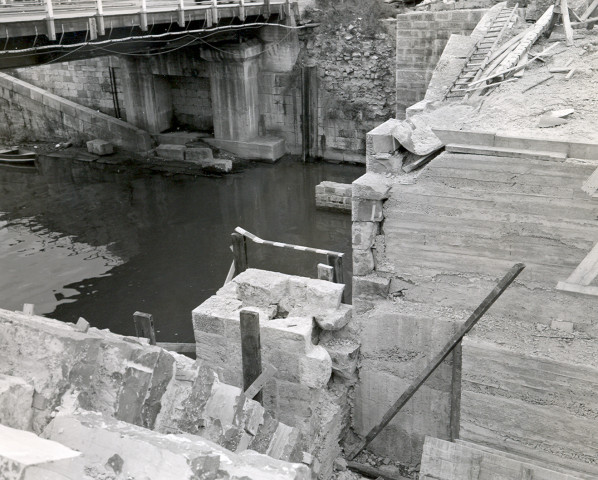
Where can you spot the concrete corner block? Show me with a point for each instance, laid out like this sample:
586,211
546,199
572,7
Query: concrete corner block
198,154
261,288
316,368
363,234
334,319
100,147
371,285
171,152
209,316
322,294
211,348
16,403
363,210
363,262
291,334
372,186
381,139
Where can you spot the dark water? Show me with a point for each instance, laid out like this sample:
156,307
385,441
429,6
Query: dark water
79,239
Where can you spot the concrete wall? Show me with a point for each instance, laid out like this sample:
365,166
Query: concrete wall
30,113
421,38
86,82
191,103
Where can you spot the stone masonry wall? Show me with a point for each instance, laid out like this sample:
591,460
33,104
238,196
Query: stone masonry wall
192,106
86,82
421,38
333,196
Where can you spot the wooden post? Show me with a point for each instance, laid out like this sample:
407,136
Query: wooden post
325,272
456,392
242,10
100,17
251,349
239,252
51,28
215,12
143,16
567,23
144,326
181,20
336,262
267,8
439,358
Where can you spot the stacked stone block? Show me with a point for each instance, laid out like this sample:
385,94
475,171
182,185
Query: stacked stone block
333,196
191,102
421,38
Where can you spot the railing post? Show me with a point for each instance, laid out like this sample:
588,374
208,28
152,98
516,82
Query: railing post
181,20
336,262
100,17
251,351
215,11
143,16
239,252
242,10
144,326
267,8
51,28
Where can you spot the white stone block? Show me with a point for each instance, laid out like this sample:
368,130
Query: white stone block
322,294
260,288
364,234
100,147
334,319
25,456
16,399
291,334
171,152
316,368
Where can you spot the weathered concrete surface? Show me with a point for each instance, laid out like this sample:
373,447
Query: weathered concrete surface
100,147
448,236
115,448
16,402
25,456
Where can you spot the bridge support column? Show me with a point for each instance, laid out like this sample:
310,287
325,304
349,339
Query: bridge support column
147,97
235,107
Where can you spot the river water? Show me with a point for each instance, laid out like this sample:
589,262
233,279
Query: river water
101,242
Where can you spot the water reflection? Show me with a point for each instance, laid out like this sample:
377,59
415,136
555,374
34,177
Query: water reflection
81,239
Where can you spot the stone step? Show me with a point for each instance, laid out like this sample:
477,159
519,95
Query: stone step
507,152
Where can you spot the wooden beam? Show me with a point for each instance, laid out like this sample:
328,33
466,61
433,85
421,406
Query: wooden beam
144,326
100,17
588,13
251,350
50,26
259,383
539,82
567,23
371,471
181,13
242,10
439,358
239,252
143,16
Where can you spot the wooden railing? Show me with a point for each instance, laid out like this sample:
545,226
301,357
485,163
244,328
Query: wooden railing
54,10
239,246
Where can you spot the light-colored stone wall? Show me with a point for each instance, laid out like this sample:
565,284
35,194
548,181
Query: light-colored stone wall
421,38
86,82
334,196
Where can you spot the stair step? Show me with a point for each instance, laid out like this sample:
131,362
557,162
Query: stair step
507,152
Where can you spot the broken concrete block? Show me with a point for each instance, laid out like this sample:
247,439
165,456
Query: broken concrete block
228,290
316,368
291,334
363,262
325,272
260,288
219,164
322,294
143,453
16,403
199,155
381,138
366,210
25,456
344,355
417,137
372,186
100,147
334,319
82,325
548,120
364,234
171,152
371,285
283,443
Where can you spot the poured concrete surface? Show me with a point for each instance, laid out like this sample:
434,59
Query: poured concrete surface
449,234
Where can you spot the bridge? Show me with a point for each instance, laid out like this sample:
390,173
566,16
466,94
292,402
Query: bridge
37,31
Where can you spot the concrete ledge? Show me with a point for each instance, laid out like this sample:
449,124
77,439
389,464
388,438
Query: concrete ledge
381,137
504,140
507,152
262,148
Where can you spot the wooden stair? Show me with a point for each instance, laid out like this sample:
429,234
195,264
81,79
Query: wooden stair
480,55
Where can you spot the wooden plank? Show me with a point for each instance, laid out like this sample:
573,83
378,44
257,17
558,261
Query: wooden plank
539,82
478,313
144,326
239,252
570,74
338,276
259,383
178,347
587,270
372,472
567,23
588,13
456,391
251,351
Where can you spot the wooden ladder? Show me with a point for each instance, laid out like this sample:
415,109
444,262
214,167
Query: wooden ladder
479,56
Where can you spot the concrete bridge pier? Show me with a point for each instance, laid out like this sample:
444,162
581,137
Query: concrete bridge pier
234,76
147,97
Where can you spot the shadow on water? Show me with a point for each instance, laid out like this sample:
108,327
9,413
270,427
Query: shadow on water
80,239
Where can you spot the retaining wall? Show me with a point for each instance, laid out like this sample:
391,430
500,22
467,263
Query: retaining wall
30,113
421,38
333,196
